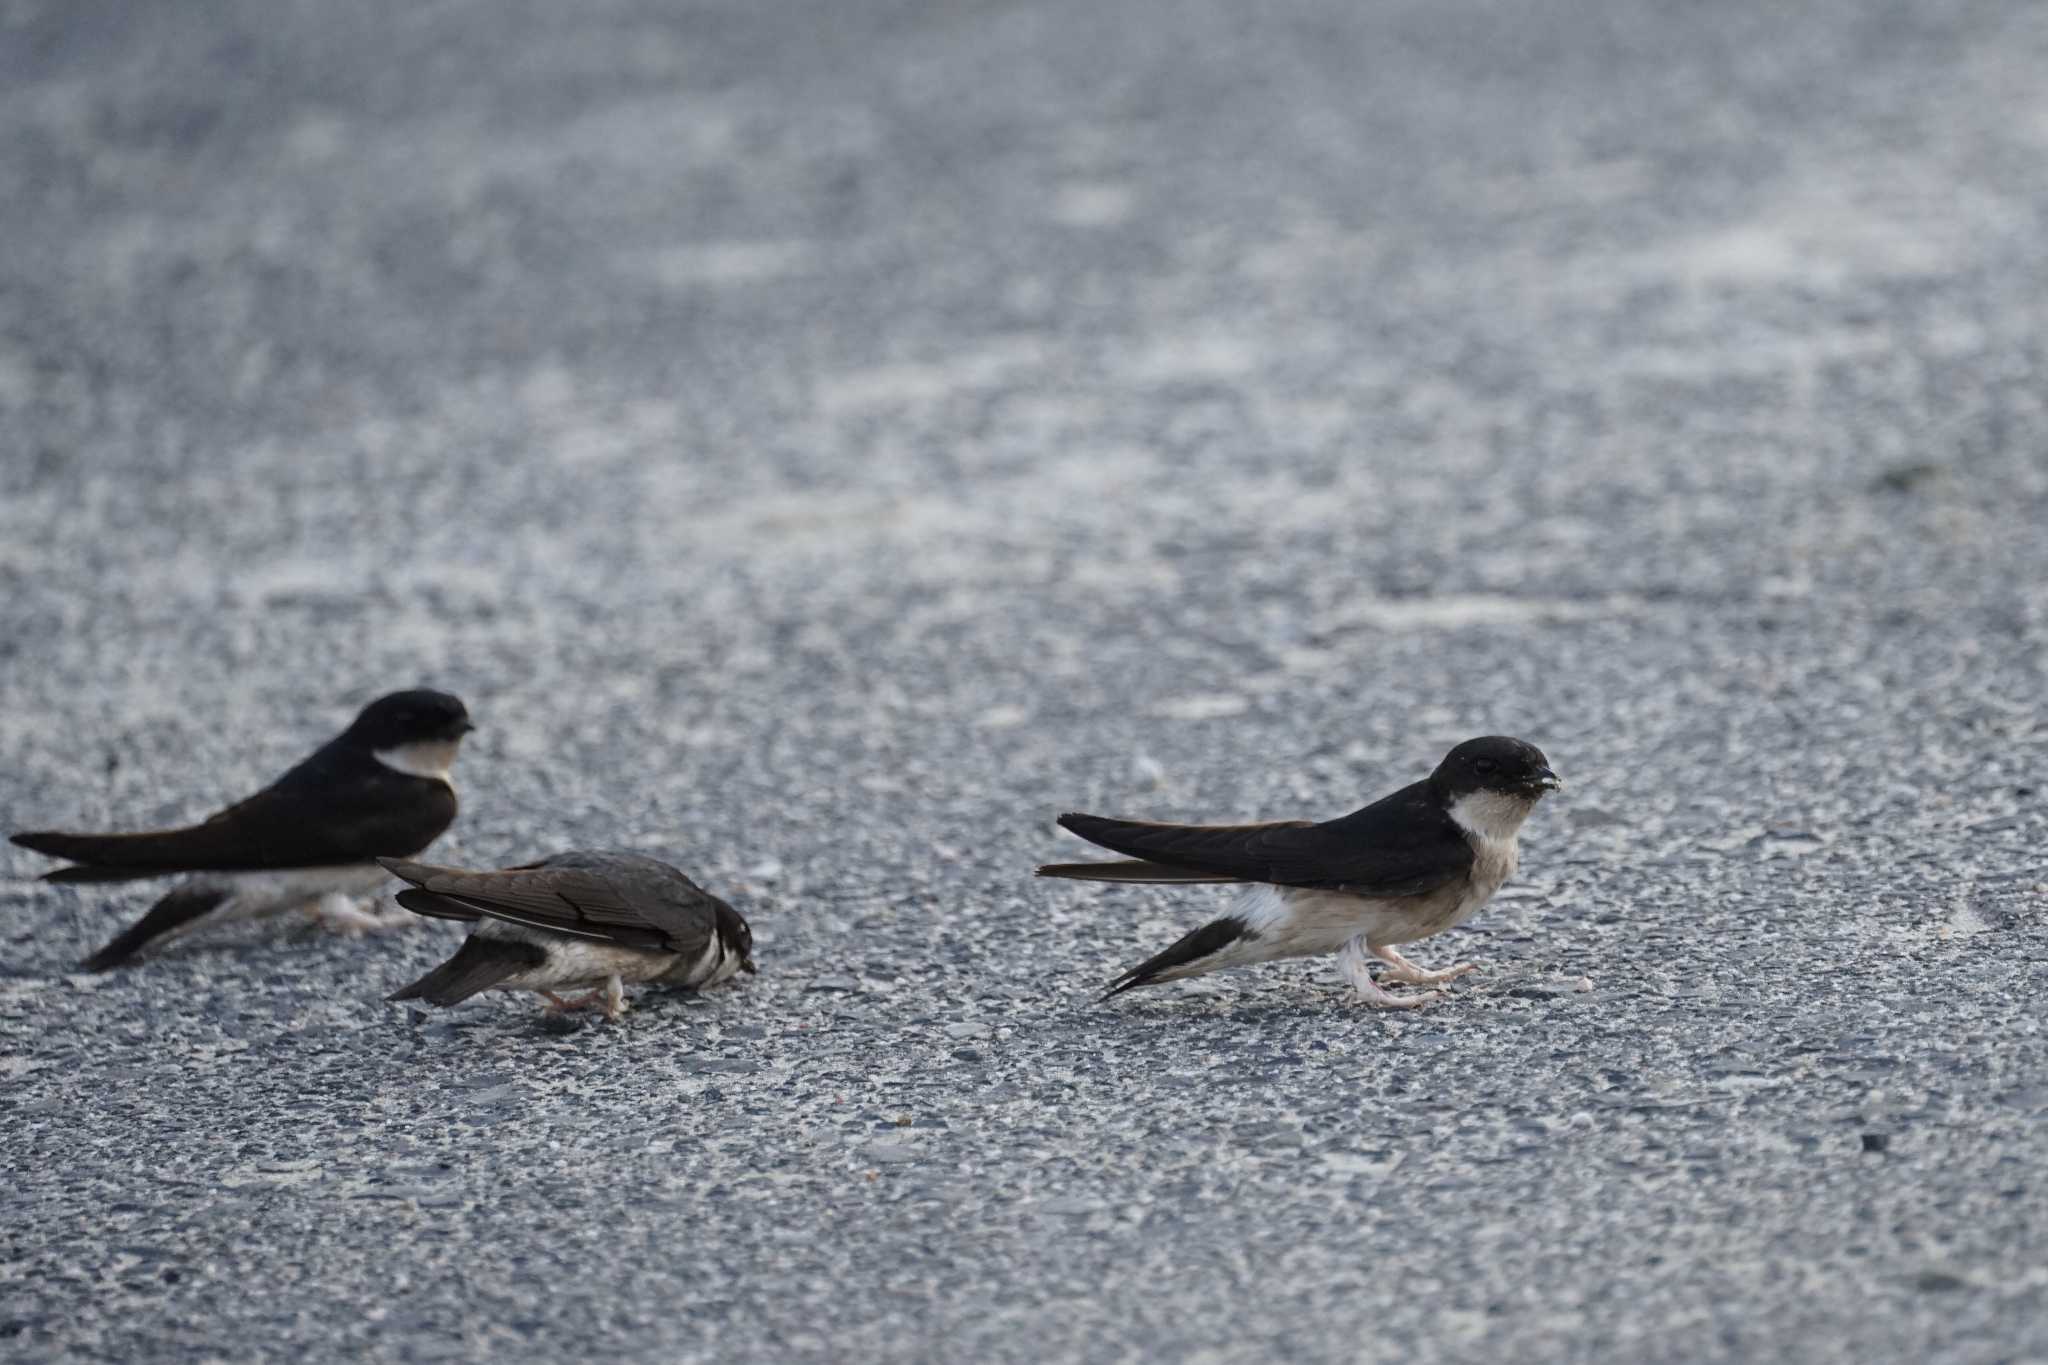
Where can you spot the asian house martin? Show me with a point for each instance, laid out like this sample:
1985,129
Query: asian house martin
309,839
1408,866
577,921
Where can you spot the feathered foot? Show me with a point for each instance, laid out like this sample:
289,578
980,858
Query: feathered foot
1351,965
1403,972
340,914
611,998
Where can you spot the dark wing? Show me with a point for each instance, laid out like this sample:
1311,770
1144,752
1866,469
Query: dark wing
334,808
1136,870
1401,846
621,898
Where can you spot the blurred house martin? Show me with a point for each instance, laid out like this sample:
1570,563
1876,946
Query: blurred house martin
577,921
1408,866
309,839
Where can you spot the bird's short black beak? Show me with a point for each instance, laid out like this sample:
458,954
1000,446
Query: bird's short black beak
1548,781
749,968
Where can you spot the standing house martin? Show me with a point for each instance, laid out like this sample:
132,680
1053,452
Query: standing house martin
1410,865
577,921
309,839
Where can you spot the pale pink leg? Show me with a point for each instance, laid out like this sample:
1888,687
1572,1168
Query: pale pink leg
610,997
1407,973
1351,965
343,915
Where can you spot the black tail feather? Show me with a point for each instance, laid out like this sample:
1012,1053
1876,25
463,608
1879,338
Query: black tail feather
1133,870
137,855
99,857
168,915
52,843
1212,937
95,872
478,965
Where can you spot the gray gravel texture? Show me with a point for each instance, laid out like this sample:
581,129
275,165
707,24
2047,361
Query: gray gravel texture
822,441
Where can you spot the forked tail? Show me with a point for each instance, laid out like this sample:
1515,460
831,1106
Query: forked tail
478,965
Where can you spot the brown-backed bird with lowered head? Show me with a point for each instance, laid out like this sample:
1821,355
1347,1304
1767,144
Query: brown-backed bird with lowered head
581,920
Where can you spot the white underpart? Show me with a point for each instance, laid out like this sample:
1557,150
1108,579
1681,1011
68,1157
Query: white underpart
1296,921
328,892
576,963
573,962
421,758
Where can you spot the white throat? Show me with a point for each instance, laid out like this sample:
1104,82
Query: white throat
1492,816
421,758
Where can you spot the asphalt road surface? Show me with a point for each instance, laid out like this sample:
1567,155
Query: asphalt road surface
824,441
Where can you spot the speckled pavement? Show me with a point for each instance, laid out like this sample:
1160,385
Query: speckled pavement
824,441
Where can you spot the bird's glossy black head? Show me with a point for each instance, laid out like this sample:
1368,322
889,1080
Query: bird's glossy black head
735,937
417,717
1494,763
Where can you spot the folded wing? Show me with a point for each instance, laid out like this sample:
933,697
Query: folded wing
1401,846
620,898
309,818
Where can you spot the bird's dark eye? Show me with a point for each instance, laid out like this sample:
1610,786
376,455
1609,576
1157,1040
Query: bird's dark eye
1484,766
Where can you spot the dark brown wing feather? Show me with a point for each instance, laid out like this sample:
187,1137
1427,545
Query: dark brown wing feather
431,906
620,898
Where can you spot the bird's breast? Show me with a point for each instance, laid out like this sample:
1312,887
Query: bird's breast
707,968
1411,918
1493,862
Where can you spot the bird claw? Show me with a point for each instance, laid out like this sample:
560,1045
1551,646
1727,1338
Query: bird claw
1405,973
341,915
1351,966
1387,1000
1410,975
610,998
